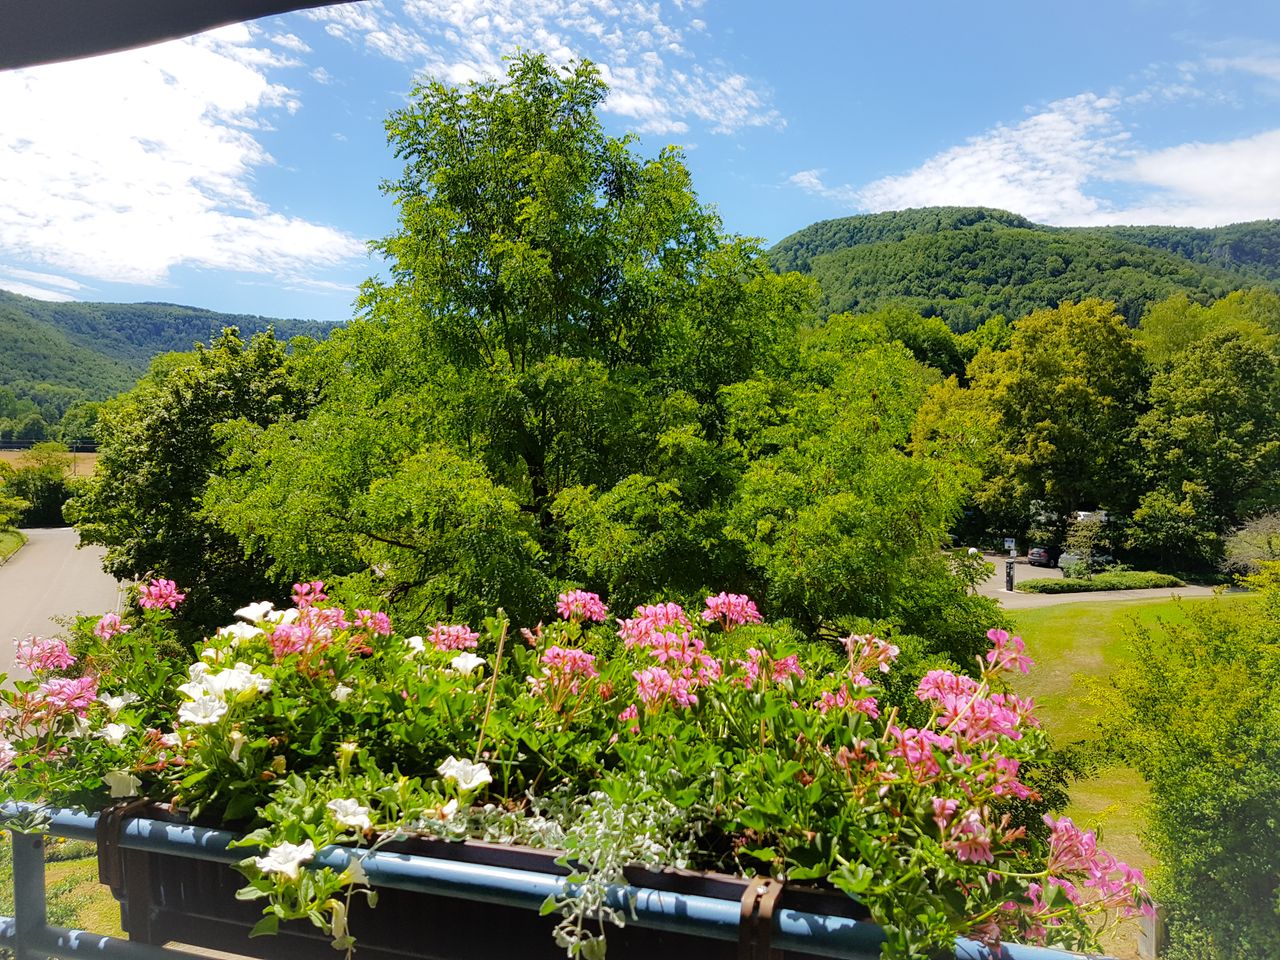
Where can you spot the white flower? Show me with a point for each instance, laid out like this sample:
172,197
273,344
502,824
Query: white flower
212,654
203,711
465,663
284,616
255,612
448,811
236,632
79,728
349,813
122,783
170,739
467,775
115,704
355,870
341,692
238,740
415,644
114,733
7,753
194,690
287,858
236,680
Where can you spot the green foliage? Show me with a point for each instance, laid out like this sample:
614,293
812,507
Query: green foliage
159,447
1201,721
1063,397
1252,248
1210,445
33,495
1107,580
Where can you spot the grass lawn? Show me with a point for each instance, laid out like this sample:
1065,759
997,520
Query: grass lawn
82,464
75,897
10,541
1073,644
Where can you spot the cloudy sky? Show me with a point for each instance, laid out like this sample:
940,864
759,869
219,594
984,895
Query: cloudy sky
239,170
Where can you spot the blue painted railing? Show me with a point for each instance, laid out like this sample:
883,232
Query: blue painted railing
32,938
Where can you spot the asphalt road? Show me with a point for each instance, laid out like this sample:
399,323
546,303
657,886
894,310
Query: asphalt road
994,588
50,578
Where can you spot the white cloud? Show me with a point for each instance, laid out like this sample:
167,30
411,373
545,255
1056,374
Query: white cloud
642,51
46,279
291,41
123,167
1074,163
33,291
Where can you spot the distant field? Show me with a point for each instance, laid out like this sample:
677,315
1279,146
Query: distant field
82,463
1074,645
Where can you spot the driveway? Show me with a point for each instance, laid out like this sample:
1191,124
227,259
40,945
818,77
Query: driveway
50,578
994,588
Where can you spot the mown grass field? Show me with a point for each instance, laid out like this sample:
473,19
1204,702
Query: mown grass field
1075,645
74,896
82,464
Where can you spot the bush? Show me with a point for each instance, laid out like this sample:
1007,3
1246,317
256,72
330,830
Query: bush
1111,580
1200,719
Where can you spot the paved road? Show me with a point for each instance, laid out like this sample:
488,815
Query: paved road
50,578
1022,570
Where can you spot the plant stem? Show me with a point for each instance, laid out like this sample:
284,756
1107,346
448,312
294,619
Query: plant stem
493,688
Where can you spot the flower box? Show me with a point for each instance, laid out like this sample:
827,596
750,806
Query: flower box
170,897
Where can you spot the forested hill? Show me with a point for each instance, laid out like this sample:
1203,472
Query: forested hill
966,264
57,354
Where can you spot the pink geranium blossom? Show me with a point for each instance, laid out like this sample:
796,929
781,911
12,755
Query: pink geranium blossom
62,695
564,671
110,626
969,838
730,610
867,652
655,686
578,605
779,669
36,654
1007,653
378,623
160,593
456,637
309,594
651,619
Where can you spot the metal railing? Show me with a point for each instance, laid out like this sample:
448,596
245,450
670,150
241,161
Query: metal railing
32,938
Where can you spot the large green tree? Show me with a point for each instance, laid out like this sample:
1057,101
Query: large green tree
1063,398
159,445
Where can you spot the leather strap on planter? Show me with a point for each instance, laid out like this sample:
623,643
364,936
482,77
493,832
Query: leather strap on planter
755,925
110,826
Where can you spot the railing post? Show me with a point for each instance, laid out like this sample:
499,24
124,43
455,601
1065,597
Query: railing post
29,918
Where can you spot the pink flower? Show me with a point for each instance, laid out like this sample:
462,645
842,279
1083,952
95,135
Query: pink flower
110,626
65,695
632,715
655,686
943,811
866,651
1003,777
377,623
916,747
1007,653
939,684
578,605
564,671
7,754
36,654
446,637
730,610
652,619
969,839
160,593
309,594
780,669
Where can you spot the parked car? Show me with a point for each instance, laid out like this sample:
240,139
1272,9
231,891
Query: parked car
1043,556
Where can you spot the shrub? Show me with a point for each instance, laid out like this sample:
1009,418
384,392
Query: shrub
1111,580
1200,719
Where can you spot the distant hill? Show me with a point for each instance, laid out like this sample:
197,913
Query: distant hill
57,354
966,264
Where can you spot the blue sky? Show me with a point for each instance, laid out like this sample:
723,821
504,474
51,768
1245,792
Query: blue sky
239,170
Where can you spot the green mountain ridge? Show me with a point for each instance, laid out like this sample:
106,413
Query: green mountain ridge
967,264
59,354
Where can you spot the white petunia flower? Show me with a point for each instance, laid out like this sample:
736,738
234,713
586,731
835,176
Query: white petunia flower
122,783
202,711
115,704
238,740
114,733
79,727
236,680
236,632
341,692
415,644
255,612
466,663
286,859
349,813
355,870
467,775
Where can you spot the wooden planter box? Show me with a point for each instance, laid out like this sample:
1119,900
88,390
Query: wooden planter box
167,898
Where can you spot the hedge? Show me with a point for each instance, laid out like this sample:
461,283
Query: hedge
1124,580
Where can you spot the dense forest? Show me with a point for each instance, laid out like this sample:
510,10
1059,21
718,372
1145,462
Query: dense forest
968,264
58,356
